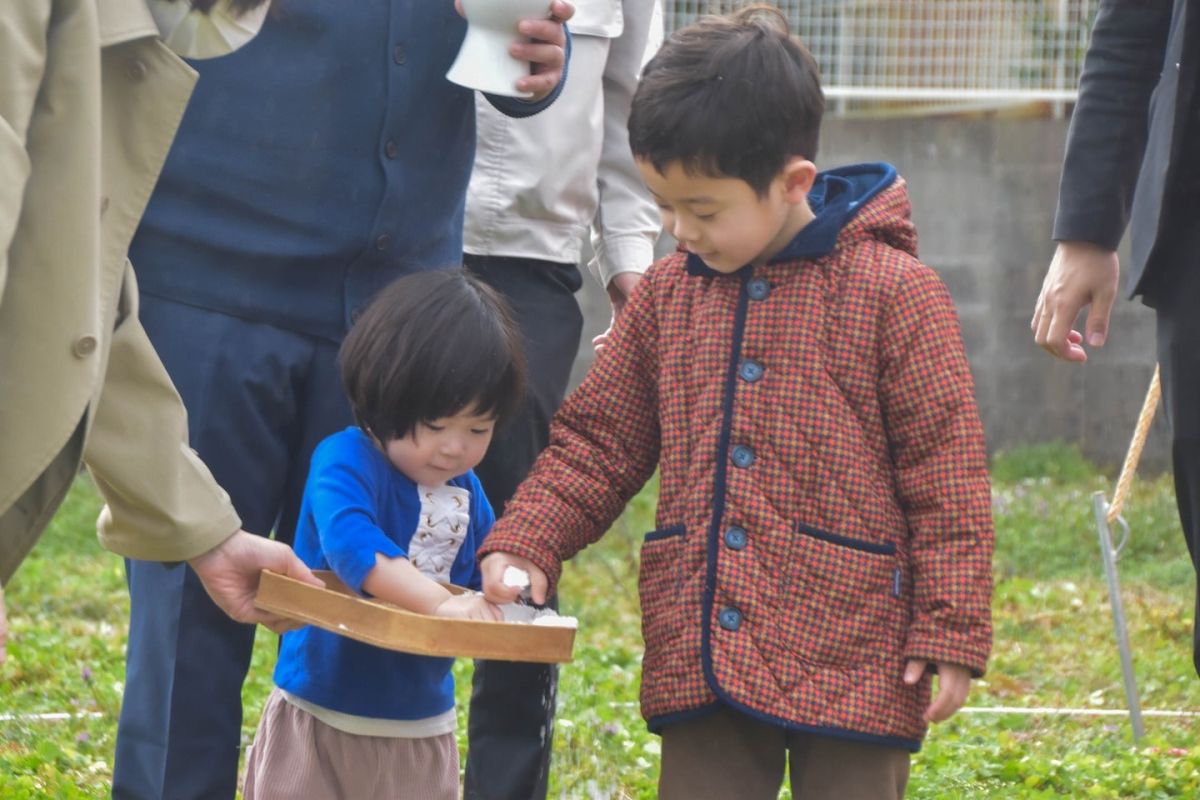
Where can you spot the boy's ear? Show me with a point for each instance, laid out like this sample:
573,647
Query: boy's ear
798,176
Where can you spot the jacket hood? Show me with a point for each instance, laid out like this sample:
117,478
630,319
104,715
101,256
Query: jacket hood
851,203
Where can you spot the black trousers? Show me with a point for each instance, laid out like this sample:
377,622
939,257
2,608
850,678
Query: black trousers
1177,303
511,722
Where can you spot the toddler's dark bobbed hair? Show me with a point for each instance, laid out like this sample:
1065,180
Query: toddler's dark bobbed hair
428,346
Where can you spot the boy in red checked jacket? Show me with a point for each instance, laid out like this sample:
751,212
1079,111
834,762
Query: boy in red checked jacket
824,538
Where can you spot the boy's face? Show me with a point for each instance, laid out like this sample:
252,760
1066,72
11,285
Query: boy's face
723,220
436,451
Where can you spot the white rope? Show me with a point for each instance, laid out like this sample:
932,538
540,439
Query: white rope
1074,712
1047,711
1019,710
54,717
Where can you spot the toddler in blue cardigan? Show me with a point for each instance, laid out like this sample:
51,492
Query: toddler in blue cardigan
393,508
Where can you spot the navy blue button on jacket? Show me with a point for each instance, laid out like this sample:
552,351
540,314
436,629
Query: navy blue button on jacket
313,166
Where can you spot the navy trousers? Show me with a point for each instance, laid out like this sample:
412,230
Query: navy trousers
511,722
259,399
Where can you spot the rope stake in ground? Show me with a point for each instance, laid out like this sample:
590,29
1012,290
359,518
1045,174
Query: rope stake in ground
1106,514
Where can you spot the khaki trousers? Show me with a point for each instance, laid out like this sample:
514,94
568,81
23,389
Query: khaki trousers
295,756
728,754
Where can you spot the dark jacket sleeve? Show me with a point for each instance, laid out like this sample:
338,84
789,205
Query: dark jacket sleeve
1108,128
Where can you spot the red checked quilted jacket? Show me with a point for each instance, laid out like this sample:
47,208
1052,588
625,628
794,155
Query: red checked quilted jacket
824,511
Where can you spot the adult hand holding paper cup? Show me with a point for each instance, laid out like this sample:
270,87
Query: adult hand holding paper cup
512,47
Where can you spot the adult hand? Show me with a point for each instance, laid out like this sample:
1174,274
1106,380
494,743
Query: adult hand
1081,274
547,50
619,290
954,682
495,589
230,573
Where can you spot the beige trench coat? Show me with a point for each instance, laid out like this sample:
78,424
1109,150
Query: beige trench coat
89,102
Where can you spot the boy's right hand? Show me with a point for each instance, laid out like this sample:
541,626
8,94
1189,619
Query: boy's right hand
496,590
468,606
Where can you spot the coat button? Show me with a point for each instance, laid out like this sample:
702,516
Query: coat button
750,371
103,205
391,149
398,54
735,538
136,70
730,618
383,241
84,346
758,289
742,456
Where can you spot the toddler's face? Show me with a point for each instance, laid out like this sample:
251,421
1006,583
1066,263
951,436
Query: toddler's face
436,451
720,219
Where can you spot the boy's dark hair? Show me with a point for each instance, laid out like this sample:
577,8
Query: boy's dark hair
428,346
732,95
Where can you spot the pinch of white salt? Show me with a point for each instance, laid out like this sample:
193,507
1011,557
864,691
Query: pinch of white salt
514,612
555,621
515,576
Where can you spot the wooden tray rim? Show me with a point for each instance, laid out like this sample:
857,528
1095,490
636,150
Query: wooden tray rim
531,643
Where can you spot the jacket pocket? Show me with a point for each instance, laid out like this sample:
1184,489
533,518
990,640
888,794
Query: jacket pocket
845,606
658,590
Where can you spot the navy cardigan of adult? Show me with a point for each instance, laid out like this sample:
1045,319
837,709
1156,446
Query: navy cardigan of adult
316,164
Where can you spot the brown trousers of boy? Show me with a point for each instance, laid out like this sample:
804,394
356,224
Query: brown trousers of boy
728,754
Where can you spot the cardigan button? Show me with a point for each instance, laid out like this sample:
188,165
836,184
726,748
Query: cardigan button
750,371
136,70
742,456
735,538
84,346
730,618
758,289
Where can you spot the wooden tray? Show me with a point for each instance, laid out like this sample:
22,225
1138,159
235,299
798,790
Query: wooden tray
339,610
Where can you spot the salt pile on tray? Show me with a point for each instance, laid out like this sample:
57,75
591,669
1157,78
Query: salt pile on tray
516,612
522,612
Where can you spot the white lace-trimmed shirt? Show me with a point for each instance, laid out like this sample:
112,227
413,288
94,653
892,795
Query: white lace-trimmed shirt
445,515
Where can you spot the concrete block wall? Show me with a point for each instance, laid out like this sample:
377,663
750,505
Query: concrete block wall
983,194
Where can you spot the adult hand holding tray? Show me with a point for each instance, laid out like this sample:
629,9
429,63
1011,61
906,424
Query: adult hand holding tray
337,609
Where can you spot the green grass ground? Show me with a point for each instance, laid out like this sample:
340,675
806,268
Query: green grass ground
1054,648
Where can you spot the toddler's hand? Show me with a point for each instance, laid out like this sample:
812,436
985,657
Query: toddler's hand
954,682
496,590
468,606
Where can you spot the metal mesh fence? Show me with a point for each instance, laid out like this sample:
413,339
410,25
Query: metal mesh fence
917,52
